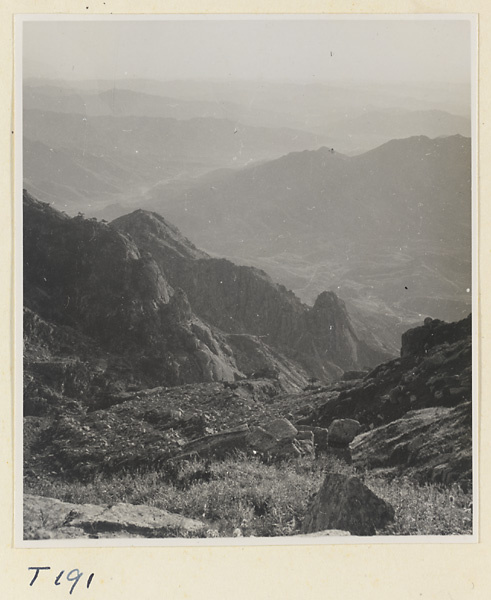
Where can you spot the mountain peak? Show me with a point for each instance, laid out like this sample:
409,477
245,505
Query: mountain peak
143,225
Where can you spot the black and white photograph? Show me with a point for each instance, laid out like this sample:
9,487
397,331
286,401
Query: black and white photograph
247,257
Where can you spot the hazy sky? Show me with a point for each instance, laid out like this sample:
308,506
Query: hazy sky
314,50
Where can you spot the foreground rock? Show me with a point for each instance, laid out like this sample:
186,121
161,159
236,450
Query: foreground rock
48,518
345,503
326,533
431,444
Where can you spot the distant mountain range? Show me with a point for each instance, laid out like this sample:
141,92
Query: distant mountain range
78,162
277,176
389,229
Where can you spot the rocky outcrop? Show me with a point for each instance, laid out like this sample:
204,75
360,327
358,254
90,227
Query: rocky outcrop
277,439
345,503
85,275
414,412
255,358
429,445
420,340
49,518
244,300
434,371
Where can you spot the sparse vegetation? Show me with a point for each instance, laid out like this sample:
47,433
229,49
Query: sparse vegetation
244,496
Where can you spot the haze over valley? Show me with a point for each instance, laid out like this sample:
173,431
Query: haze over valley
367,194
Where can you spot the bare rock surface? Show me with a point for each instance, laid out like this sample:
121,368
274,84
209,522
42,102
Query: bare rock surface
345,503
326,533
431,444
46,518
277,439
281,430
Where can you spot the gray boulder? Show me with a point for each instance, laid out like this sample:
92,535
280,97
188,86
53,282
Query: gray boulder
49,518
343,431
281,429
345,503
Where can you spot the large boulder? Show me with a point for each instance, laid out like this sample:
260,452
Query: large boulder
281,429
342,432
261,440
46,518
345,503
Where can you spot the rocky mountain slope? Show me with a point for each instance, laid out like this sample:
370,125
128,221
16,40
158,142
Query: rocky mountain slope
142,353
414,417
82,279
137,304
244,300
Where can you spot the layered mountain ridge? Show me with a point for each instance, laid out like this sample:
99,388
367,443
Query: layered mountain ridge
388,230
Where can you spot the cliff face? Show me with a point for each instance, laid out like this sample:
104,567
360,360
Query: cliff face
244,300
86,276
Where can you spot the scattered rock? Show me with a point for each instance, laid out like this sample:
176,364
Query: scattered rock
261,440
277,441
345,503
281,430
306,435
306,447
218,445
342,432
